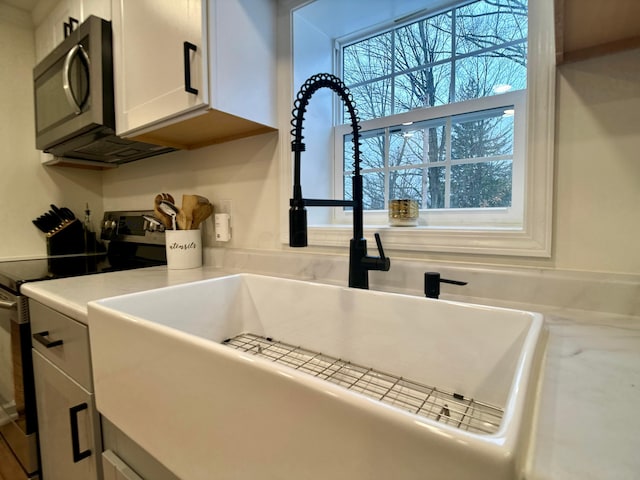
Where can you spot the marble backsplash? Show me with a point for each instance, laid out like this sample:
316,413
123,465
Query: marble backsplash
587,291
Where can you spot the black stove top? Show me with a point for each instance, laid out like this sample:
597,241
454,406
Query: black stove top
128,248
14,273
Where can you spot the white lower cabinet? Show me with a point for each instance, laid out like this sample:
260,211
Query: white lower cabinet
68,425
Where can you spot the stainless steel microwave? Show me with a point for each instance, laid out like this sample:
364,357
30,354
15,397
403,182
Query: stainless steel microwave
74,101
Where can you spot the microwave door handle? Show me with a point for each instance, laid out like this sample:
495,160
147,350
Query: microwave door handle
66,80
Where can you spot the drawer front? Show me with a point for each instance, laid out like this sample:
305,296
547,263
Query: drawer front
63,341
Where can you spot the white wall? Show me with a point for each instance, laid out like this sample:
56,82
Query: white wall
26,188
597,212
244,171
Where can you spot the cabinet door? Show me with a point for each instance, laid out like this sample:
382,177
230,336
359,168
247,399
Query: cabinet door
68,425
156,44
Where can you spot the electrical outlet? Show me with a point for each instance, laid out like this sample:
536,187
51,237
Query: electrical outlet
223,221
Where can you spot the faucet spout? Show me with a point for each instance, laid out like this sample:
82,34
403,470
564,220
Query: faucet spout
359,262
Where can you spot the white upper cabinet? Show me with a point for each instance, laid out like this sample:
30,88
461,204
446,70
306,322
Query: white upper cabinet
65,15
190,73
155,43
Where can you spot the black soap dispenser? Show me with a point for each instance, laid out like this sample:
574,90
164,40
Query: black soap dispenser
432,283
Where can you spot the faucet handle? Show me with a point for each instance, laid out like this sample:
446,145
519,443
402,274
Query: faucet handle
385,263
379,244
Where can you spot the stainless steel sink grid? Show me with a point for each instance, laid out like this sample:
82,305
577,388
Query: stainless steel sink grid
451,408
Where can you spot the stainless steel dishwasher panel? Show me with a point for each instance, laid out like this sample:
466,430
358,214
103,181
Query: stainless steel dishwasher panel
17,398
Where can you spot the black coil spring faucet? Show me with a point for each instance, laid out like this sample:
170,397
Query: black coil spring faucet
359,262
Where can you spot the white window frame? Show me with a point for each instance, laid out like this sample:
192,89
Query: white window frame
532,239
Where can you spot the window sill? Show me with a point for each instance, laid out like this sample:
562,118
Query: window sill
504,241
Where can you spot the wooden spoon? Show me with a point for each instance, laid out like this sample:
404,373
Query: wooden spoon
200,214
189,203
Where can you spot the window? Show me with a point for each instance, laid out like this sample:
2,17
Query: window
443,96
448,162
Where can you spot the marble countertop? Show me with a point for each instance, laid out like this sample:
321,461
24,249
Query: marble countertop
587,425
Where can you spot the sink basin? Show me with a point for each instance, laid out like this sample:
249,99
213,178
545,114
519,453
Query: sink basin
248,376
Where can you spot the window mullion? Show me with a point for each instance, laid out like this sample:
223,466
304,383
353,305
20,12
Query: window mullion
447,165
452,83
452,96
391,76
490,49
393,72
467,161
386,163
425,169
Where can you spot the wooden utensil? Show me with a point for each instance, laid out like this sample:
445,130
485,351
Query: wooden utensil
200,214
189,203
183,222
163,217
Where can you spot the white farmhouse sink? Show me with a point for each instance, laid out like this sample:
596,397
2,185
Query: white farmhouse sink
206,410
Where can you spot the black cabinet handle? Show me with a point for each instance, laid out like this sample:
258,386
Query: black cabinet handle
70,26
75,441
188,47
41,337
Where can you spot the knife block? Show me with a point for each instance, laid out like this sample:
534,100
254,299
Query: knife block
67,240
73,251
